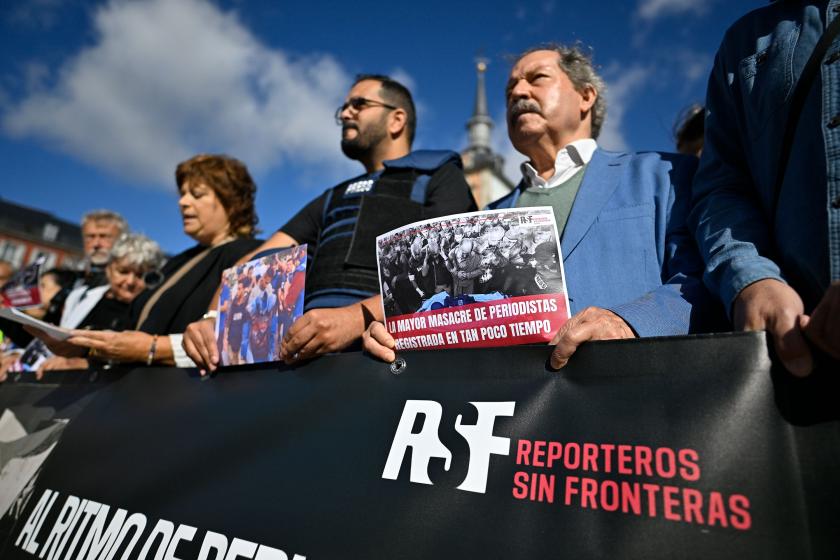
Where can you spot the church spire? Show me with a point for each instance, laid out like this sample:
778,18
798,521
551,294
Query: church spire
483,168
480,124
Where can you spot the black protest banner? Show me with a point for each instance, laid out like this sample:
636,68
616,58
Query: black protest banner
32,420
689,447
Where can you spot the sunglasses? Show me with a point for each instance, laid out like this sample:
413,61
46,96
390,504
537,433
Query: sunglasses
358,104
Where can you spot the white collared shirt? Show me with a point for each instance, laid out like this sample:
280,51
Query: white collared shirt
79,303
569,161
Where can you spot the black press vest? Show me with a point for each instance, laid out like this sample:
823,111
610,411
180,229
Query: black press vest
356,212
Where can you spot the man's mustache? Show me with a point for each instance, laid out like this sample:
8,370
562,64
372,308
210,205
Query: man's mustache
348,125
522,106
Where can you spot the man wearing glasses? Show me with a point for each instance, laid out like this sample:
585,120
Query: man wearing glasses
398,187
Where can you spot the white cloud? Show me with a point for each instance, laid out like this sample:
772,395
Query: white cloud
620,92
402,76
654,9
693,65
169,78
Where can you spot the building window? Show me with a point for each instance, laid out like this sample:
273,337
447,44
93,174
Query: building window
50,232
12,251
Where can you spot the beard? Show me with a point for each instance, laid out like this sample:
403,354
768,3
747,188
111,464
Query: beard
99,258
365,141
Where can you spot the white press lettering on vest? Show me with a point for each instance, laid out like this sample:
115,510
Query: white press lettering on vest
359,187
426,444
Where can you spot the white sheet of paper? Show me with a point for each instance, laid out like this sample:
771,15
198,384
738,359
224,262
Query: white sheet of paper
13,314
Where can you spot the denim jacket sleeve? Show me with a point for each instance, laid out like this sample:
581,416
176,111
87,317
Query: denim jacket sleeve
730,226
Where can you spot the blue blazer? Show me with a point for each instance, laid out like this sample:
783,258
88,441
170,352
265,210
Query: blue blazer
626,247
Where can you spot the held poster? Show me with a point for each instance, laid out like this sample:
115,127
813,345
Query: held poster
259,302
22,290
472,280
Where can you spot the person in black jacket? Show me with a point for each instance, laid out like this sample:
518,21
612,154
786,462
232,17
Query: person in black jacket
217,209
340,227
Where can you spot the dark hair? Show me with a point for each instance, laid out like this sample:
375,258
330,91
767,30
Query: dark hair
396,94
689,128
578,67
230,180
65,280
63,277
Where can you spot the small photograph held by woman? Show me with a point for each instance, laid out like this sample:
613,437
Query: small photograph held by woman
132,257
217,210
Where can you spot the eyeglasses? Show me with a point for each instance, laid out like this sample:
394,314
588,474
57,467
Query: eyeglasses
357,104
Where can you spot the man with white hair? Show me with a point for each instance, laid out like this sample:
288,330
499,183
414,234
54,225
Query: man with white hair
100,230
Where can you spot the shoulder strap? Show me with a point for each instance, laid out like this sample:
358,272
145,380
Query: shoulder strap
327,200
418,190
144,313
797,102
424,163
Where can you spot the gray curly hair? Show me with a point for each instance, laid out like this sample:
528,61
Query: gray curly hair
578,67
137,250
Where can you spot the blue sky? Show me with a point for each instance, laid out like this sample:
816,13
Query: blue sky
99,100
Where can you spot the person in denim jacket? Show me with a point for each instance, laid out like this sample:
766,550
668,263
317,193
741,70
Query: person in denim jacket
774,266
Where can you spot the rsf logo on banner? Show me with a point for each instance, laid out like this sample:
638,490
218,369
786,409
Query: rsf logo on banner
426,444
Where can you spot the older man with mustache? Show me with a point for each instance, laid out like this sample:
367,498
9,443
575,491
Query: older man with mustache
632,268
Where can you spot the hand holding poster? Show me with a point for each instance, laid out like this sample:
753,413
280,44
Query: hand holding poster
489,278
259,302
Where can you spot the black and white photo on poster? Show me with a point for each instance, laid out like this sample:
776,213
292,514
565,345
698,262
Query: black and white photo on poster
474,259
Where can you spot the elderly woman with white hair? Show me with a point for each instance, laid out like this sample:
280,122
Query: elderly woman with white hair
132,258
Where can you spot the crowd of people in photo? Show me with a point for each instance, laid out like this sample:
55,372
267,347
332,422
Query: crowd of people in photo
258,303
468,259
653,243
